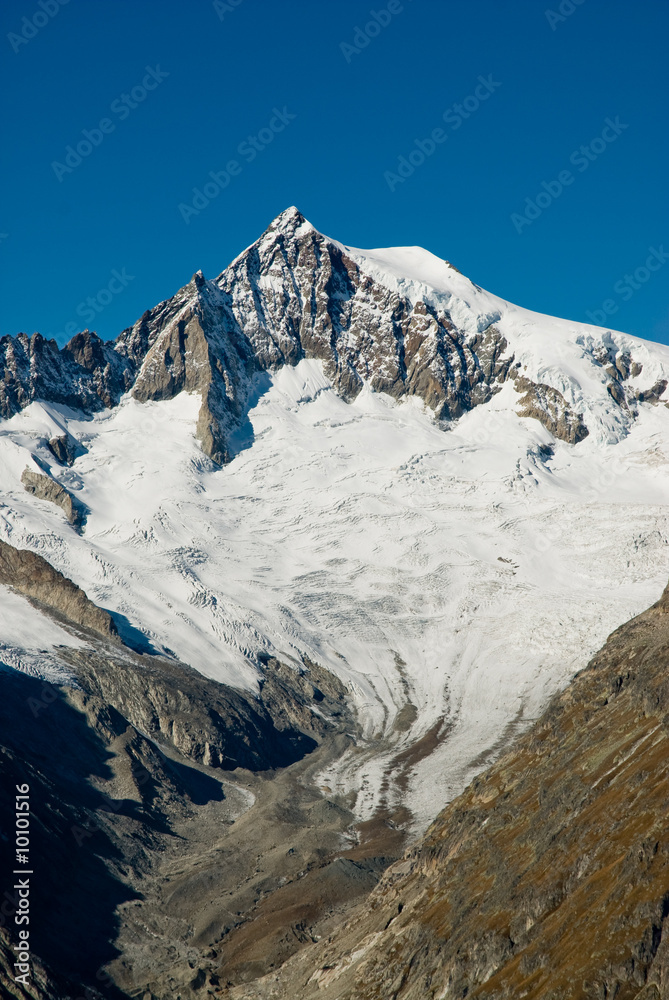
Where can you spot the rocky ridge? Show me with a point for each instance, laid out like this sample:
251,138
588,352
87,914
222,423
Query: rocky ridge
550,408
46,488
186,803
294,294
31,575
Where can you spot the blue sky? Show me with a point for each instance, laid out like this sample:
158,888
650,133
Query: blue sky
321,104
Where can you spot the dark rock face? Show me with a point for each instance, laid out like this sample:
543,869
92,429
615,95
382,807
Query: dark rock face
31,575
86,374
548,878
206,721
63,449
550,408
48,489
294,294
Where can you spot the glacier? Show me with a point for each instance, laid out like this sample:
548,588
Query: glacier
453,573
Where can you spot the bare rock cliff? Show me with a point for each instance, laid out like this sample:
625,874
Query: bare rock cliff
48,489
293,294
31,575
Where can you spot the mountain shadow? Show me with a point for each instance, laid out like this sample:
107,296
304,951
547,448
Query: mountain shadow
49,745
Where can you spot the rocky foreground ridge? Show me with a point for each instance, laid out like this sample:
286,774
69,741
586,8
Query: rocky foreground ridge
295,294
548,878
167,810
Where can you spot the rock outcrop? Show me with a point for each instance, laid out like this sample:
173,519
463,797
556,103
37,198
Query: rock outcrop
550,408
31,575
200,350
63,449
620,367
653,394
87,374
293,294
46,488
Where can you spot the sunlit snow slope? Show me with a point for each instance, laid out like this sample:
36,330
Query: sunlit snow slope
453,573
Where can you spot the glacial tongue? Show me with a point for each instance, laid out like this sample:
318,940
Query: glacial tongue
547,878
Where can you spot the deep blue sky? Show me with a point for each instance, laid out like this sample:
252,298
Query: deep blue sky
60,240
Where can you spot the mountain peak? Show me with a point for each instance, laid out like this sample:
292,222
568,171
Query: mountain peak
398,320
290,219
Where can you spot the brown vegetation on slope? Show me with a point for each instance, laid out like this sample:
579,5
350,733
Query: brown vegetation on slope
548,879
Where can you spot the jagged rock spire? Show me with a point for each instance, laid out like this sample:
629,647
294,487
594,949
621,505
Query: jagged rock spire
293,294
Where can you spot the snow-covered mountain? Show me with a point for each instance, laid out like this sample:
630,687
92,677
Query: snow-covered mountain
356,458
